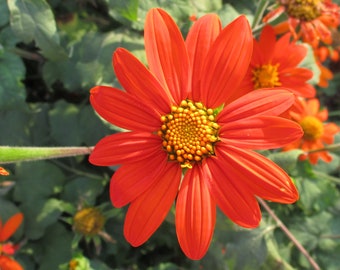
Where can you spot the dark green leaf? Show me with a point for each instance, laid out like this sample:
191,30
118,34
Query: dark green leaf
37,180
34,20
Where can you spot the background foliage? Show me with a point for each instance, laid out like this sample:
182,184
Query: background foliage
51,54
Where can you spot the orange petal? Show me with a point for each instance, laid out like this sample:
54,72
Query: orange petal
147,212
6,263
267,42
262,132
259,102
262,176
166,53
199,40
11,226
138,80
125,147
313,106
123,109
226,63
195,214
130,181
234,199
3,172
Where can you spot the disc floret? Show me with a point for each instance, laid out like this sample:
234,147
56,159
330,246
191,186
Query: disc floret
189,133
312,128
266,76
304,10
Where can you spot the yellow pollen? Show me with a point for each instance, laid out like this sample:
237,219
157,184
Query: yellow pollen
88,221
304,10
189,133
312,127
266,76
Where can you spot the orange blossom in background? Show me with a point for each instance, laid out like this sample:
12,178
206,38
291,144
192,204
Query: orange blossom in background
316,133
6,248
310,20
275,63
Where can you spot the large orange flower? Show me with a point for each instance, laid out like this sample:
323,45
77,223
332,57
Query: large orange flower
316,133
7,249
309,19
189,141
274,63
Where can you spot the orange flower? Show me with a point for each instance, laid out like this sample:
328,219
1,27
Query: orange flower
7,263
274,64
316,133
182,145
325,75
309,19
3,172
6,231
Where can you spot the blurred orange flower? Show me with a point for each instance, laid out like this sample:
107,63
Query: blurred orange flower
6,248
189,139
310,20
316,132
3,172
325,75
275,63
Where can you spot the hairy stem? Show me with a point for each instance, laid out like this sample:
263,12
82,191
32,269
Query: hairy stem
289,235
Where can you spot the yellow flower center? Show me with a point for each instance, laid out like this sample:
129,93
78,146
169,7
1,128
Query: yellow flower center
266,76
312,127
88,221
304,10
189,133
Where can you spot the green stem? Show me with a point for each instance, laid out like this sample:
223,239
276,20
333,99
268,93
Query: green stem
259,13
330,147
325,176
78,172
16,154
289,235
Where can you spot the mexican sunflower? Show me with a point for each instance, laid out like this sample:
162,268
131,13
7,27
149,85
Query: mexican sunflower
316,132
310,20
188,141
8,249
274,63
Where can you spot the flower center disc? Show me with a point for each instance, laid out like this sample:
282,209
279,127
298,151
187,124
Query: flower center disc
304,10
189,133
312,127
266,76
89,221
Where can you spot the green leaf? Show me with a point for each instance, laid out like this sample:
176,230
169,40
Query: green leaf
72,125
12,71
123,9
39,215
328,167
14,127
286,160
310,63
90,63
83,190
4,18
37,180
55,247
34,20
247,248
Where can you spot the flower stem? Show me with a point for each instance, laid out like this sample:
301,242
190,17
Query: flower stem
289,235
16,154
259,13
331,147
